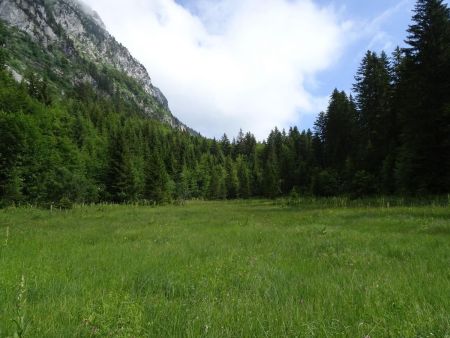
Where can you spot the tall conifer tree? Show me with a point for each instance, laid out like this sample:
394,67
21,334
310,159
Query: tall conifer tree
424,163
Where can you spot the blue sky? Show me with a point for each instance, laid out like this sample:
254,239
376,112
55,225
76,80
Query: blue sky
253,64
394,18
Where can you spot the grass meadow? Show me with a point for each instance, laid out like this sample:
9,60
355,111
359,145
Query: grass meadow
225,269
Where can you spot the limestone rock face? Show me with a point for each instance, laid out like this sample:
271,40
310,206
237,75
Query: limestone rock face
77,30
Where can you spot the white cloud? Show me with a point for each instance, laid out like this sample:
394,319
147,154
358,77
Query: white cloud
231,64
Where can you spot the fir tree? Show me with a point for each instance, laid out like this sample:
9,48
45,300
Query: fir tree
119,180
156,186
373,100
243,176
217,186
12,143
424,162
226,145
184,184
271,178
231,178
338,131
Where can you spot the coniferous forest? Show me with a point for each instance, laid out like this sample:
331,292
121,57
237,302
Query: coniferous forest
391,135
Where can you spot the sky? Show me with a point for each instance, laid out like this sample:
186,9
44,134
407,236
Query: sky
226,65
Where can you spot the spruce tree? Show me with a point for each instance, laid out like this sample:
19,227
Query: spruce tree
119,179
424,161
156,178
217,186
12,143
231,178
271,175
183,184
338,131
226,145
243,178
318,140
373,100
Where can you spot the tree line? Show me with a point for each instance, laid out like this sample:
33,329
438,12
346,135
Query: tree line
389,136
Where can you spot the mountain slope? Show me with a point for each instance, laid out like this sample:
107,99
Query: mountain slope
66,43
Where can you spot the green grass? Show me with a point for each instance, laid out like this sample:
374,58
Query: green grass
226,269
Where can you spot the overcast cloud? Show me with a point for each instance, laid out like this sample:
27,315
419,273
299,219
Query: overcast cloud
231,64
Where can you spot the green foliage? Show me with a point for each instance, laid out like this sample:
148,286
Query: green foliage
243,175
362,184
184,186
64,203
62,138
37,88
231,178
376,120
156,188
12,147
340,116
271,179
119,178
20,319
326,183
217,184
424,161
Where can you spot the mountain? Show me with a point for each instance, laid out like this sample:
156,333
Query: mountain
66,43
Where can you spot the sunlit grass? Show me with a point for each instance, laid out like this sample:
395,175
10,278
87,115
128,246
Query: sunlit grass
220,269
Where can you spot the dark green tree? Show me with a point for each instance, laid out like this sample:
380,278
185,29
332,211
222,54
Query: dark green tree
338,132
231,178
119,179
424,159
271,175
217,186
156,179
243,176
373,100
12,143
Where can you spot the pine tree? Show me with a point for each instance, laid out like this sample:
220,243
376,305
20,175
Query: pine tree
373,100
271,176
217,186
338,131
119,180
424,161
184,184
156,186
226,145
231,178
12,143
243,178
203,175
319,140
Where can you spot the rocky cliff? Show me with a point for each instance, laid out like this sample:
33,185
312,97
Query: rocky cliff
68,42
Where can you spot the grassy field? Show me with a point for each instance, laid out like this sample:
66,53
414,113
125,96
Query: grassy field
225,269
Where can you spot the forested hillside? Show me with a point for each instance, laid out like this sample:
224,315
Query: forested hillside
65,43
390,136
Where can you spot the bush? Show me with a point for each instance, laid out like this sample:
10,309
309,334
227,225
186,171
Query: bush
363,184
64,203
294,198
326,184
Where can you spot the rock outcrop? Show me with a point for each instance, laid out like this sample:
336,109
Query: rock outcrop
73,29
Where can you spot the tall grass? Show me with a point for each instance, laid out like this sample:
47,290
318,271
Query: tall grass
366,202
226,269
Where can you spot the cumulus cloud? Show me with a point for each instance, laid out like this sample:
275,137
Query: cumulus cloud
231,64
